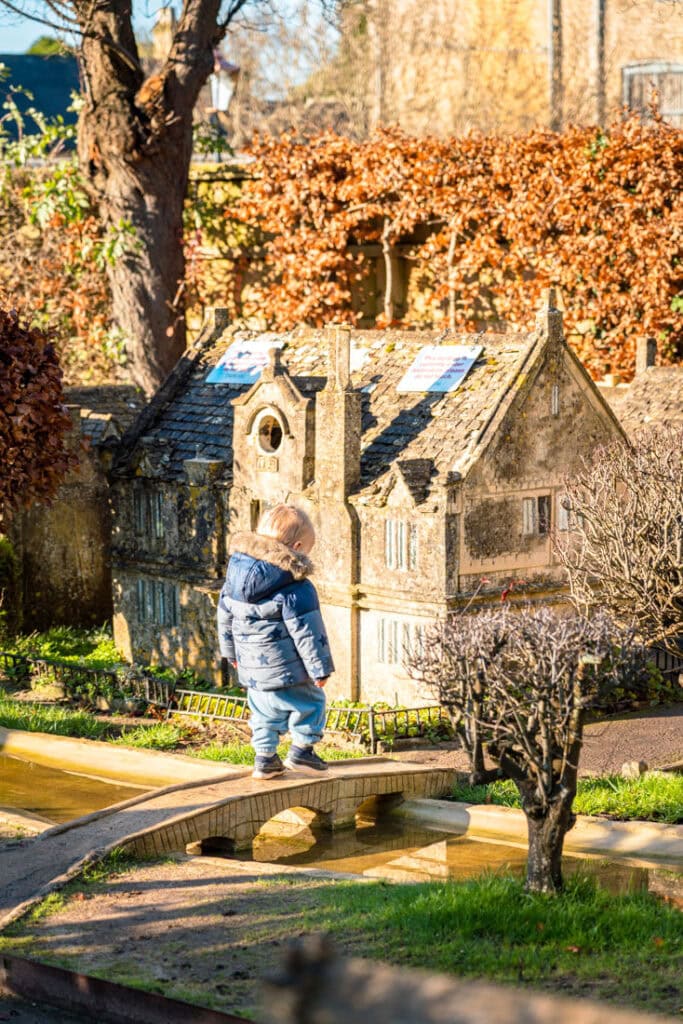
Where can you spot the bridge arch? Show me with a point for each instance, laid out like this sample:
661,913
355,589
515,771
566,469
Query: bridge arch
233,822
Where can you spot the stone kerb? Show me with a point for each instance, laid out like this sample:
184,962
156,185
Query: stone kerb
238,819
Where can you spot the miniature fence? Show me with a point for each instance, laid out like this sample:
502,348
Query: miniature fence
76,679
667,663
367,724
16,665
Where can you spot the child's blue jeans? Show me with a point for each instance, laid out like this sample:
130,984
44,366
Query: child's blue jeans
299,710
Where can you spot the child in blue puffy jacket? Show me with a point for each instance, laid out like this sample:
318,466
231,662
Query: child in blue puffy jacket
270,628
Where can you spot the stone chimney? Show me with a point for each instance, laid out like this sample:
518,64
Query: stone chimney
646,354
549,317
338,422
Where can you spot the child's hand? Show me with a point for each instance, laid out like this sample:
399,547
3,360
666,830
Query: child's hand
321,682
234,664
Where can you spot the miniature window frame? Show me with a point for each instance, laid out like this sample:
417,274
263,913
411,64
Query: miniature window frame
148,517
398,640
555,400
400,544
536,516
268,413
157,602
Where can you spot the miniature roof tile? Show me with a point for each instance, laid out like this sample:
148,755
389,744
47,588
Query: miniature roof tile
106,410
436,428
655,398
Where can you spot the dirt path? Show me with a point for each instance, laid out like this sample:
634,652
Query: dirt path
199,929
205,930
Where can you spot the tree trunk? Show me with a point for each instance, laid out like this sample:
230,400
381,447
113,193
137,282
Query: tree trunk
135,146
546,838
147,278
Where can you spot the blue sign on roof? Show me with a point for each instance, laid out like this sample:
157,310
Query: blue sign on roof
440,368
244,361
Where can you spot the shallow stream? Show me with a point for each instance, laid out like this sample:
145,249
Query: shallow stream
55,794
395,849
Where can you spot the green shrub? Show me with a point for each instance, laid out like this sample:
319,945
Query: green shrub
92,648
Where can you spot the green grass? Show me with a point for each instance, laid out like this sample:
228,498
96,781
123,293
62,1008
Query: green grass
92,647
58,721
652,797
159,736
242,753
586,941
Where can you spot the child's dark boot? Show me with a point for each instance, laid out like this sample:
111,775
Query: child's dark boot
305,761
267,766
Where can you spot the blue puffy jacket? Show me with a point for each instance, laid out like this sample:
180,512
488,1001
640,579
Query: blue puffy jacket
269,618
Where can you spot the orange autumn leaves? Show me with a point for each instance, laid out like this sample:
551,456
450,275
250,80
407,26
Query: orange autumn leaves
486,224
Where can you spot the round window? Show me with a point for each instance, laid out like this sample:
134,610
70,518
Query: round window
269,434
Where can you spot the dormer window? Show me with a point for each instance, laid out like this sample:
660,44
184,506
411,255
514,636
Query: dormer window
400,544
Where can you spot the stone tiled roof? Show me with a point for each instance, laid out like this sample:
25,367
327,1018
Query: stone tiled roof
105,409
429,433
655,398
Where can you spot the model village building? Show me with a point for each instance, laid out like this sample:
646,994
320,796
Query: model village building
416,496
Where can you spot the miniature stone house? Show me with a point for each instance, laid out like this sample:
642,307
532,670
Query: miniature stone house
416,497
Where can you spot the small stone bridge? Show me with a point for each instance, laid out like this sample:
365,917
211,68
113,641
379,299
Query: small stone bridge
244,806
224,813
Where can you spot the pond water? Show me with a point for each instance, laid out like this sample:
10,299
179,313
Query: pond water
396,849
55,794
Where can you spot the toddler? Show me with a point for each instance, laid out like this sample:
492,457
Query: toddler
270,628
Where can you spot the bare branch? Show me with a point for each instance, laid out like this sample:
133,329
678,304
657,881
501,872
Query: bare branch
624,551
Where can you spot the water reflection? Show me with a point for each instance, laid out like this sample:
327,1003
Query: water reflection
54,794
395,849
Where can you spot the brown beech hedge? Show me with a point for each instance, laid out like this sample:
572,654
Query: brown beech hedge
487,223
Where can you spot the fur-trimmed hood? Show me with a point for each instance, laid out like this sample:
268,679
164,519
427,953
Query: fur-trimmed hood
267,549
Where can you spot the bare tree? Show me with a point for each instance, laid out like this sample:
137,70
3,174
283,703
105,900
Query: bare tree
518,685
135,145
624,549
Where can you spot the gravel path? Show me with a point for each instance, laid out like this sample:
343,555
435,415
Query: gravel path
654,736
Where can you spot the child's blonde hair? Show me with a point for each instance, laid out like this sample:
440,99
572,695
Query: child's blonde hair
286,523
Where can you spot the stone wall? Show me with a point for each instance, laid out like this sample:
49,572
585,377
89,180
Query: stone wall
65,548
449,65
191,643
